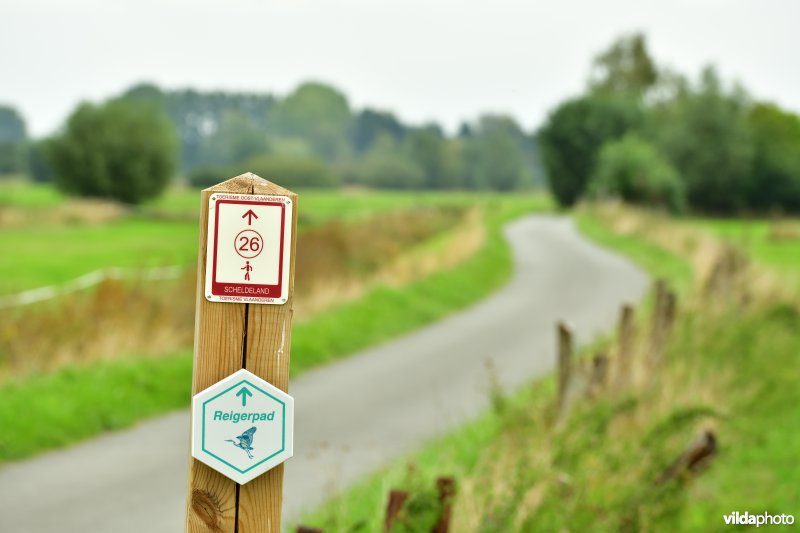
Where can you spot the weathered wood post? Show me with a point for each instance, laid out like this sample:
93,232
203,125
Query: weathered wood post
670,310
658,328
234,332
599,374
564,365
446,488
625,345
393,506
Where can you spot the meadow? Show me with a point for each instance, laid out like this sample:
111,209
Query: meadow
730,367
123,347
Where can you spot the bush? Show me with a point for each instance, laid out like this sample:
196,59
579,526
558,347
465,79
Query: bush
119,150
632,169
573,134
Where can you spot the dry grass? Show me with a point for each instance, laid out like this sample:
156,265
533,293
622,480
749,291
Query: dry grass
74,211
784,230
340,265
116,318
706,253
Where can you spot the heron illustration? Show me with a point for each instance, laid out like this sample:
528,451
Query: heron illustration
245,441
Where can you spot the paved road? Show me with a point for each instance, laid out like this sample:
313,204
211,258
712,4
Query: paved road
352,416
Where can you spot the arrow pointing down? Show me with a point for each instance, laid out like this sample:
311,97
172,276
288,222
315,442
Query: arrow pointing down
250,216
244,393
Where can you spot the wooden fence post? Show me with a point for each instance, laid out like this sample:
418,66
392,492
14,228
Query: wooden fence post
229,337
564,365
670,310
658,328
446,487
599,374
393,506
625,346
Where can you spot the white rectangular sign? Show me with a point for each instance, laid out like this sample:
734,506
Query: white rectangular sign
248,253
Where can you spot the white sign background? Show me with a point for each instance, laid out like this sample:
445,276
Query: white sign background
247,248
215,442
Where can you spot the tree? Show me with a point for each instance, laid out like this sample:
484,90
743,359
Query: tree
371,126
703,131
775,178
13,138
39,166
625,68
120,150
427,148
390,170
199,115
235,140
573,134
496,154
632,169
319,114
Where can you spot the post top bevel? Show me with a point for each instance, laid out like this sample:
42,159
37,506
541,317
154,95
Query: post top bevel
249,183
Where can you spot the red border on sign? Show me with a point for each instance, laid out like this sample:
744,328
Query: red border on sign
273,291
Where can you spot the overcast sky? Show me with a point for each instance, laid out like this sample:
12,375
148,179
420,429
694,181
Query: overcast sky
444,60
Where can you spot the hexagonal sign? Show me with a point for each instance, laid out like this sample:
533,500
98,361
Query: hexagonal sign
242,426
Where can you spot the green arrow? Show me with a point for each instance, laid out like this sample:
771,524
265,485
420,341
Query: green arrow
244,393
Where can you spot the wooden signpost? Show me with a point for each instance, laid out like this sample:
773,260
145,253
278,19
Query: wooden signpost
243,321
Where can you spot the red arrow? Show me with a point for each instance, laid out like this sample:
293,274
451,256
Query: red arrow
250,216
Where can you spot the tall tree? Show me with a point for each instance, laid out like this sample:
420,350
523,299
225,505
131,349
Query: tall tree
318,113
625,68
495,154
13,138
775,179
235,139
575,131
371,126
198,115
427,148
704,133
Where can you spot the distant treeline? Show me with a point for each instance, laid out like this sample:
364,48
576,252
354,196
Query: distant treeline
638,132
647,135
309,138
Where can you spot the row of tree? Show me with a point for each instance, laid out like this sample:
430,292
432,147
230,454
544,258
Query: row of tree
129,147
639,132
654,137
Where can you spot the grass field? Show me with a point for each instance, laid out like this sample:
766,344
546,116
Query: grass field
382,312
731,368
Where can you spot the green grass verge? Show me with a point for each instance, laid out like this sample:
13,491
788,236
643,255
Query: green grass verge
362,507
381,314
57,254
50,411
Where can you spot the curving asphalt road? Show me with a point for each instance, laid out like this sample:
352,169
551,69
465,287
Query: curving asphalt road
352,416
